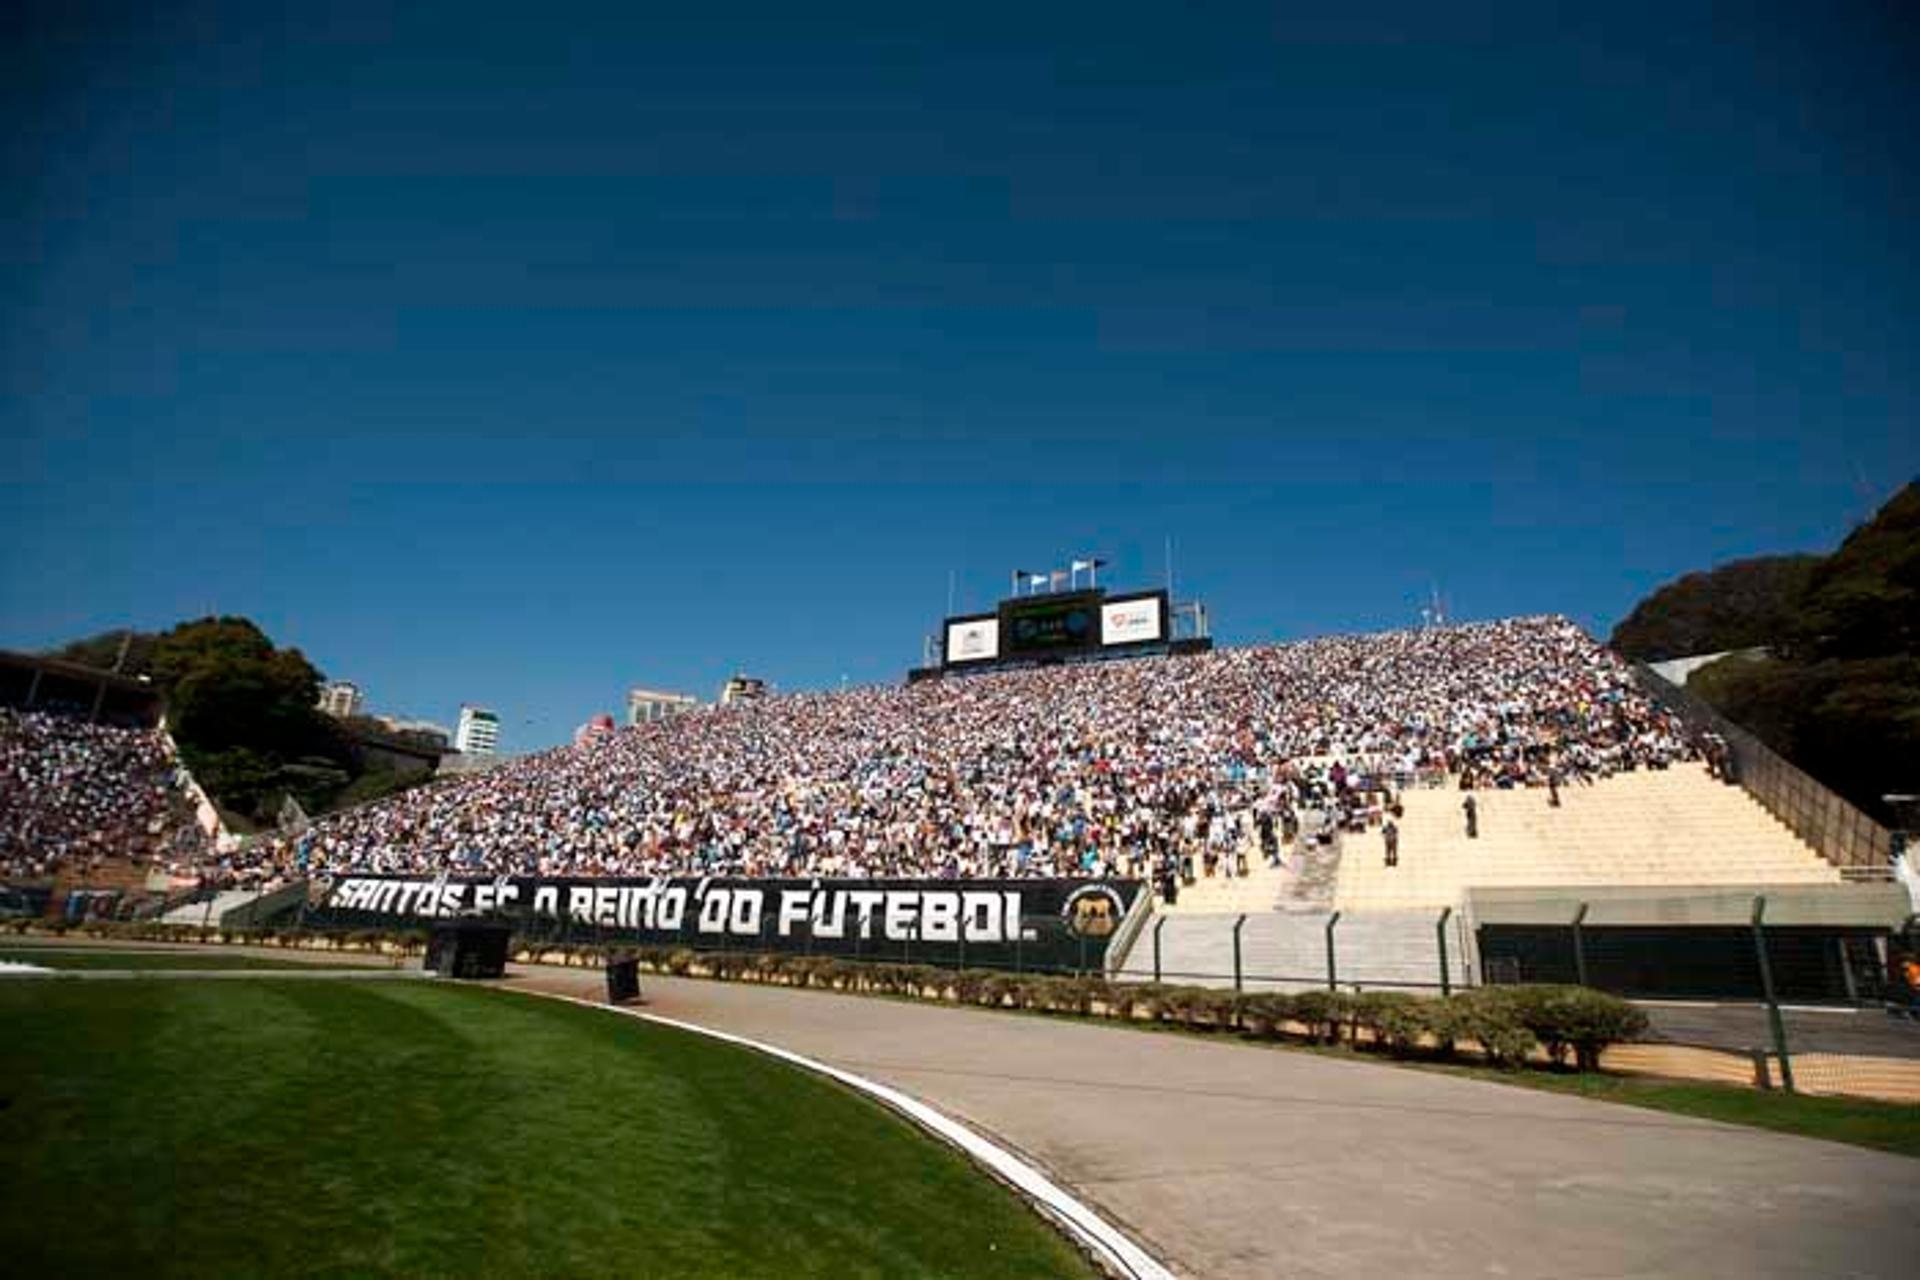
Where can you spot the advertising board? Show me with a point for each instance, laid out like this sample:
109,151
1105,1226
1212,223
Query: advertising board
973,639
1134,620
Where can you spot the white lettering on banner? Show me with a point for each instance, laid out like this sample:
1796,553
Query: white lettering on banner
660,906
864,901
673,908
647,900
713,911
980,916
903,909
830,916
744,918
940,916
795,904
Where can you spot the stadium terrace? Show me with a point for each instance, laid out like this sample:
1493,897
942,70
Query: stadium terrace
1117,768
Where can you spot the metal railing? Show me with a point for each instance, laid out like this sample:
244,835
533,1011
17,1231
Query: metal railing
1452,965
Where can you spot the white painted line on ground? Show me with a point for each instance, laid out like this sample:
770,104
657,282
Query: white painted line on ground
1086,1226
10,967
1752,1005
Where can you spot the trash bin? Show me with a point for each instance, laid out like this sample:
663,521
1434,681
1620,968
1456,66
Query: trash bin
623,979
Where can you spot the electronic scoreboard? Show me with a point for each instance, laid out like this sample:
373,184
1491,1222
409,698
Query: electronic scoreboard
1055,627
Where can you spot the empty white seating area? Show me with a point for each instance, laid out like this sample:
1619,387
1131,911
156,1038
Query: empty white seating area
1673,826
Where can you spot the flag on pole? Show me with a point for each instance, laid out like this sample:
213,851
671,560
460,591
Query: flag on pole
1056,578
1037,580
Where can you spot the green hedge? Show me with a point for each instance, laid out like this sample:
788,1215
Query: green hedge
1569,1026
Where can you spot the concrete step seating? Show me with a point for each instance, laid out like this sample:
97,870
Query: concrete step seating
1303,882
1287,950
1262,889
1675,826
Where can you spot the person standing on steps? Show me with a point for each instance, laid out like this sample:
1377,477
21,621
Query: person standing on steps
1472,811
1391,834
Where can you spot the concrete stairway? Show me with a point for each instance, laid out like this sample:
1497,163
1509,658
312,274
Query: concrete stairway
1304,881
1676,826
1287,950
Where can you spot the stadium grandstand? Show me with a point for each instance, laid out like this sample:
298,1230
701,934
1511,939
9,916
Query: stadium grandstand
1163,764
91,805
1268,782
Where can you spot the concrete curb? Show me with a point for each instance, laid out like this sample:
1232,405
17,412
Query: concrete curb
1080,1221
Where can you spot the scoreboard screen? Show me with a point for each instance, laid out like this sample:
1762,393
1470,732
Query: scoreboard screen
1033,625
1057,627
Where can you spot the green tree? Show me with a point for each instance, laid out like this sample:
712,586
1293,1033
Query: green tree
228,686
1741,605
104,651
1863,601
1840,696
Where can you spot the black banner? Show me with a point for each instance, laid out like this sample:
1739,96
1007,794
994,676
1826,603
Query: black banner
1008,924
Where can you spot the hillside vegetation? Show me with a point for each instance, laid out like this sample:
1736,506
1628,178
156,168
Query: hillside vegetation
1839,691
243,713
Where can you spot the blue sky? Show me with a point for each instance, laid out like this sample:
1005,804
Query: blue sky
519,355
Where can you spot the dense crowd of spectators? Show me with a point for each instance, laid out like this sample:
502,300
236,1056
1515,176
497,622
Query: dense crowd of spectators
1063,770
75,794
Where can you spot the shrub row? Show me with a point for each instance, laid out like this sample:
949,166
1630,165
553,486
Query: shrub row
1505,1026
1568,1026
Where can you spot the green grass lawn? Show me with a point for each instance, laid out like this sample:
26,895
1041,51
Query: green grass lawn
349,1129
58,957
1885,1126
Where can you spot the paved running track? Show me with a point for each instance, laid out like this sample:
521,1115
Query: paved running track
1231,1160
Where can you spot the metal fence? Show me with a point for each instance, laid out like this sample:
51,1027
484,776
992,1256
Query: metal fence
1837,830
1446,970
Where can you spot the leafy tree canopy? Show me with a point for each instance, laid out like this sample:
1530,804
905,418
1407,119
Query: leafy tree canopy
228,686
242,710
1863,601
1742,605
103,651
1840,696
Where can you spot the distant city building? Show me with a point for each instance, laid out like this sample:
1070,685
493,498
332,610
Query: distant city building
340,699
644,706
479,731
600,726
419,728
742,689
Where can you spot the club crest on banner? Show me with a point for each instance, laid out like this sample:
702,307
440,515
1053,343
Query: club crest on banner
1093,911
